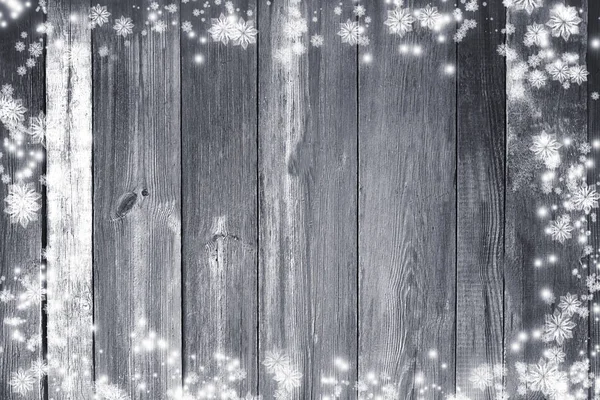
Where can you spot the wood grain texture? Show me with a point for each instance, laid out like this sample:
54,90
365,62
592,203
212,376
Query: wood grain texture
308,199
220,210
69,170
480,199
593,111
407,210
559,112
137,205
20,247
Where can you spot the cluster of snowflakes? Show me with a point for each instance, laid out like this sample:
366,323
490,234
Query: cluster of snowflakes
544,61
24,144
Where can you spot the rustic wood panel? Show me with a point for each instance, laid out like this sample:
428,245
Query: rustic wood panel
560,112
20,247
593,111
480,199
137,204
69,170
220,206
407,211
308,197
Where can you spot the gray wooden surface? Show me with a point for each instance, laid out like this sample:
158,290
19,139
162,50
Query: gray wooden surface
69,196
481,180
307,122
20,248
407,211
220,226
329,208
137,213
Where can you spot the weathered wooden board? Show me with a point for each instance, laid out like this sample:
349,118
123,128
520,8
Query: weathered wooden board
534,263
137,203
593,111
480,199
20,248
307,197
69,173
407,211
219,194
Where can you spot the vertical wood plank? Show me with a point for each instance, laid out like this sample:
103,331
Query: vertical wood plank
137,202
593,111
308,200
220,210
407,211
481,179
69,174
20,247
534,263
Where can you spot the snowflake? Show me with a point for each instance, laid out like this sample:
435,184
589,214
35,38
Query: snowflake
103,51
555,355
585,198
294,28
187,26
20,46
482,377
275,361
558,327
400,21
123,26
559,71
22,382
288,378
564,21
110,392
244,34
337,10
22,203
545,146
99,15
595,96
172,8
542,376
6,296
222,29
537,78
317,40
37,129
30,63
36,49
39,368
578,74
160,26
537,35
349,32
569,304
560,229
359,10
527,5
12,110
429,17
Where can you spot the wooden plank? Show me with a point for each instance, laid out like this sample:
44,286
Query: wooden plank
536,267
20,247
308,200
220,214
137,202
407,210
480,200
593,110
69,174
